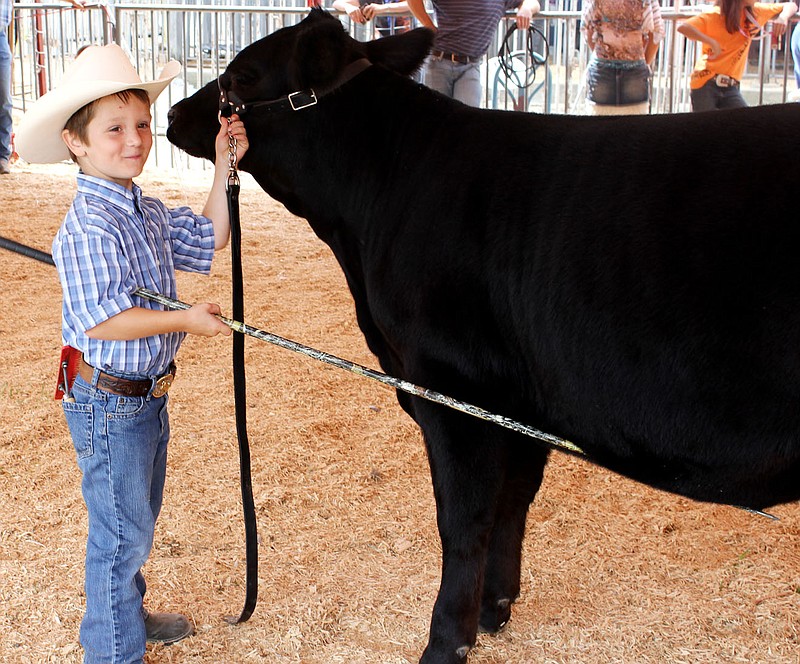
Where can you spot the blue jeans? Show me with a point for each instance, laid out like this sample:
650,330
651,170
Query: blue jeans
461,82
121,444
712,97
796,53
5,95
612,83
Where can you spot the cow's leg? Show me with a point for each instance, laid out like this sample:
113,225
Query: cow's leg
523,477
467,460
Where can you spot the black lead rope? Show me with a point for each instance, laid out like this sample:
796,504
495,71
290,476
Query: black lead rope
240,393
505,56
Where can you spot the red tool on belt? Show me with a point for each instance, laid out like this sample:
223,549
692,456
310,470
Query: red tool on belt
67,370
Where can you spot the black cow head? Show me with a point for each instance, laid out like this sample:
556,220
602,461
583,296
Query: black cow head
309,55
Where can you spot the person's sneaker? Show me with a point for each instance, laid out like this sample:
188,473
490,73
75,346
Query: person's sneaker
167,627
5,169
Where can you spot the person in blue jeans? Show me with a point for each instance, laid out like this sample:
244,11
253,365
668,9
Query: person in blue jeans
5,87
112,241
464,31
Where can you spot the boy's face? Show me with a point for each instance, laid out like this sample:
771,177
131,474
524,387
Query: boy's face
118,140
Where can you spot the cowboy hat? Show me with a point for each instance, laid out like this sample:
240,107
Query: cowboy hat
97,71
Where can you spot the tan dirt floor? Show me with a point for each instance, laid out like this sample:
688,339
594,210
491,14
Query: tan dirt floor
349,555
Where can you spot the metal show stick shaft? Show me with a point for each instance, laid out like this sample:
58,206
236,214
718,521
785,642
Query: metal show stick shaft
405,386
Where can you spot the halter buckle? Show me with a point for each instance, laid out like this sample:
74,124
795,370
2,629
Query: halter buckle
299,106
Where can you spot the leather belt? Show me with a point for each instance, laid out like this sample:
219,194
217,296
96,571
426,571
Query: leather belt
454,57
725,81
127,387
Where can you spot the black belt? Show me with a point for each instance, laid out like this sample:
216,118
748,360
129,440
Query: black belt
454,57
127,387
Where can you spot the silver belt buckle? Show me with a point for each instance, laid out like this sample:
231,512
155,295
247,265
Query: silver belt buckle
163,383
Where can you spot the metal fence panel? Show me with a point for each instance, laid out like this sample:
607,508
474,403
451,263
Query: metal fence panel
204,36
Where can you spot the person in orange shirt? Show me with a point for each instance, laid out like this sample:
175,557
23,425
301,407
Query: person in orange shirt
726,33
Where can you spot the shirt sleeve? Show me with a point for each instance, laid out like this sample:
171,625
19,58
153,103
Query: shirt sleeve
95,290
192,240
765,12
698,22
653,22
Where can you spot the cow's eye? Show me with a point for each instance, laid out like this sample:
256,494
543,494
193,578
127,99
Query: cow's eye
245,79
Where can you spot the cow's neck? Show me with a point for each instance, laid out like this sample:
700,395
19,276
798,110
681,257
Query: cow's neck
336,163
348,73
293,102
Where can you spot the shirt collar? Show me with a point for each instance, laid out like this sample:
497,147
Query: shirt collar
128,200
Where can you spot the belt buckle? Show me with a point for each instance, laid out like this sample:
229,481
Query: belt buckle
163,383
300,105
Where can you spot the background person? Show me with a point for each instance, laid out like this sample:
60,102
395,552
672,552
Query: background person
624,36
725,33
464,31
6,12
388,14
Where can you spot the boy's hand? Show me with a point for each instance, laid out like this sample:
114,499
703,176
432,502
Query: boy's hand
236,129
216,207
201,319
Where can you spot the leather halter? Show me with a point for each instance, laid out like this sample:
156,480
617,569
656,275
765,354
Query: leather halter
230,102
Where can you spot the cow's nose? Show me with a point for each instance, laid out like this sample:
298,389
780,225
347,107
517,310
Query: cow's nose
170,115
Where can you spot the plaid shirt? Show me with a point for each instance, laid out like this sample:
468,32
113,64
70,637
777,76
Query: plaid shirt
5,13
111,242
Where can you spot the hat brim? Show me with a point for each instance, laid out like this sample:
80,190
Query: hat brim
38,138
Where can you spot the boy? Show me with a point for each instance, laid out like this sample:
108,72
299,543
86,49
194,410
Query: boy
112,241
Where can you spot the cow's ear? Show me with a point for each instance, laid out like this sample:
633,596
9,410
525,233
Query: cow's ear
321,52
403,53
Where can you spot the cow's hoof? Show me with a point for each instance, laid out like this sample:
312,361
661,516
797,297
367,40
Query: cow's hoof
494,618
459,656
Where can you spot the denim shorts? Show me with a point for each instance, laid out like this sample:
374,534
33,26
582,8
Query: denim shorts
612,83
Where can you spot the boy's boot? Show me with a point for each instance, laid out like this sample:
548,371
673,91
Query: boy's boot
167,627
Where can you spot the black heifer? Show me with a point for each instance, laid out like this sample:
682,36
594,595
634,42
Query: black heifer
631,284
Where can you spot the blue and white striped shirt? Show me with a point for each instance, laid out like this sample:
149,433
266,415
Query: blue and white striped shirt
466,27
111,242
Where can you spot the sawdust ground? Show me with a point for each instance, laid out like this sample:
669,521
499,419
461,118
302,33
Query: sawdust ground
349,556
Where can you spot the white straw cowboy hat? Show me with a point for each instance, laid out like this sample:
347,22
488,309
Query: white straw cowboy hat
96,72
